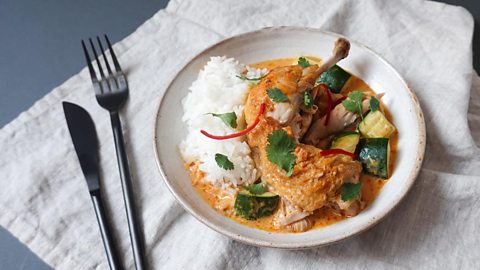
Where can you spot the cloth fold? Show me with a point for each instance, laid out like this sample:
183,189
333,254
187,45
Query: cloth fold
44,200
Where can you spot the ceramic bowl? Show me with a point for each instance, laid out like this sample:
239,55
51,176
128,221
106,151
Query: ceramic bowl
282,42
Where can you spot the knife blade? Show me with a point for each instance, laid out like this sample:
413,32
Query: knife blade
84,138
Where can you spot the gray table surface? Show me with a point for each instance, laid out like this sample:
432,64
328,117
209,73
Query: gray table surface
40,48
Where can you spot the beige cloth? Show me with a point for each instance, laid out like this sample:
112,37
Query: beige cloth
44,200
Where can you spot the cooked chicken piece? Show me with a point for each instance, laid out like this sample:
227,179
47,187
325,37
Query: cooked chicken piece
321,100
315,179
291,217
339,119
340,51
288,213
292,81
285,113
300,226
349,208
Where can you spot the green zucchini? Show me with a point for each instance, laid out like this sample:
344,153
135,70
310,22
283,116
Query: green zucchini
374,154
253,206
335,78
346,141
376,125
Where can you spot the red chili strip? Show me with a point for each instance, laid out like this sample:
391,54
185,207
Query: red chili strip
338,101
238,134
329,104
337,152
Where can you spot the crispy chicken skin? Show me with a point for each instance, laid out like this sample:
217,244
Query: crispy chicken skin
315,180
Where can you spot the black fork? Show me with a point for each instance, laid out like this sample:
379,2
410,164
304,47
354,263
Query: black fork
111,91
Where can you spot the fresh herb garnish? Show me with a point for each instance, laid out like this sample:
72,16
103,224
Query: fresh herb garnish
261,111
276,95
303,62
256,189
223,162
350,191
230,118
354,102
374,104
280,150
245,78
307,99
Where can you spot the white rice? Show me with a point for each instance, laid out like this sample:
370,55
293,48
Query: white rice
218,90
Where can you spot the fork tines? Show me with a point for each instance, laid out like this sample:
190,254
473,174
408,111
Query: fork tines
107,78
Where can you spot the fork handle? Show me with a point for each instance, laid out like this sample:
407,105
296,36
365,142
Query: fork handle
127,189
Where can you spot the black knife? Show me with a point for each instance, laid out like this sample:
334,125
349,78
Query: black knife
84,137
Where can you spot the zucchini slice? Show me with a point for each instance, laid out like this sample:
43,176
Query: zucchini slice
253,206
335,78
374,154
346,141
376,125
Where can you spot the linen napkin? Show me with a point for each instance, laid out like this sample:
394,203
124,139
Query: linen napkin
44,201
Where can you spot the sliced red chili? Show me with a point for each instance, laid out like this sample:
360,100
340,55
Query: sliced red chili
329,104
337,152
338,101
238,134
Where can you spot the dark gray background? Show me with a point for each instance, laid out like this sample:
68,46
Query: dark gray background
40,48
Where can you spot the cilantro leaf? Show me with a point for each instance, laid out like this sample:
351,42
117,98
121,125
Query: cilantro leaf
223,162
374,104
245,78
356,96
350,191
256,189
307,99
354,102
349,105
276,95
303,62
280,150
230,118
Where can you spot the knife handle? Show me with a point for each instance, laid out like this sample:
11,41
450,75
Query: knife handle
107,234
127,189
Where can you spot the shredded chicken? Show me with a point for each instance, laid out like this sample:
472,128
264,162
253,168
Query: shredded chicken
349,208
291,217
339,119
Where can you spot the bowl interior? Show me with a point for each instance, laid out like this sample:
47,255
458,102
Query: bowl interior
284,42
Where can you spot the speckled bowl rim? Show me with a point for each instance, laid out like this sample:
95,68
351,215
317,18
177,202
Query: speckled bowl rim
312,243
